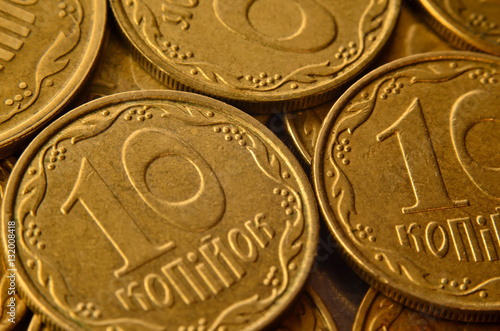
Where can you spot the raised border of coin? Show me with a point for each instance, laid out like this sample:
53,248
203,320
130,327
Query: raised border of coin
379,280
55,318
452,30
257,101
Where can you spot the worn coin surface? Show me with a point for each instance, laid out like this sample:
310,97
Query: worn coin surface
468,24
47,49
257,54
174,211
12,308
406,169
411,36
378,312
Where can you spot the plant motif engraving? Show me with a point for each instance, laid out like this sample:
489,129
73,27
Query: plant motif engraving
476,22
342,190
241,312
147,25
52,61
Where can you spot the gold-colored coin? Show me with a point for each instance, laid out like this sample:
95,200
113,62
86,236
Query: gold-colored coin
407,172
36,324
12,308
119,72
411,36
468,24
258,55
309,313
378,312
174,211
339,287
46,51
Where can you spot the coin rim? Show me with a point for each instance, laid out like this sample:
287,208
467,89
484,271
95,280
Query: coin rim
392,288
251,101
50,315
453,31
364,308
42,116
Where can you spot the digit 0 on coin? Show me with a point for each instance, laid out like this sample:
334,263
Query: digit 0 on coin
174,211
407,171
259,55
47,49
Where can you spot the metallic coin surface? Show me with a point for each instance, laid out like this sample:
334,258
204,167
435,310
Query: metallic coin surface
339,287
407,169
47,50
468,24
257,54
378,312
119,72
173,211
411,36
12,308
36,324
308,313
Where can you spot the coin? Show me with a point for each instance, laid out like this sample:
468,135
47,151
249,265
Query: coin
46,51
12,308
36,324
174,211
257,55
119,72
467,24
339,287
411,36
378,312
309,313
406,171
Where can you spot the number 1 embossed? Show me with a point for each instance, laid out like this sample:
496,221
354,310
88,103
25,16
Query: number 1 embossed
425,175
127,238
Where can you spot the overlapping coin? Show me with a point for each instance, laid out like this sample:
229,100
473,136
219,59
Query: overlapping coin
407,170
411,36
468,24
378,312
160,210
47,50
259,55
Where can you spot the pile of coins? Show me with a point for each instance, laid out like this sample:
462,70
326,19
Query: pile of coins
225,165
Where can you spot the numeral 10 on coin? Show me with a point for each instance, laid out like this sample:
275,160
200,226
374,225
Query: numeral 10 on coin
424,172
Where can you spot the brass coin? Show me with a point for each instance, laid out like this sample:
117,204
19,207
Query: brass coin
258,55
12,308
411,36
119,72
47,50
36,324
309,313
174,211
378,312
407,170
303,127
468,24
